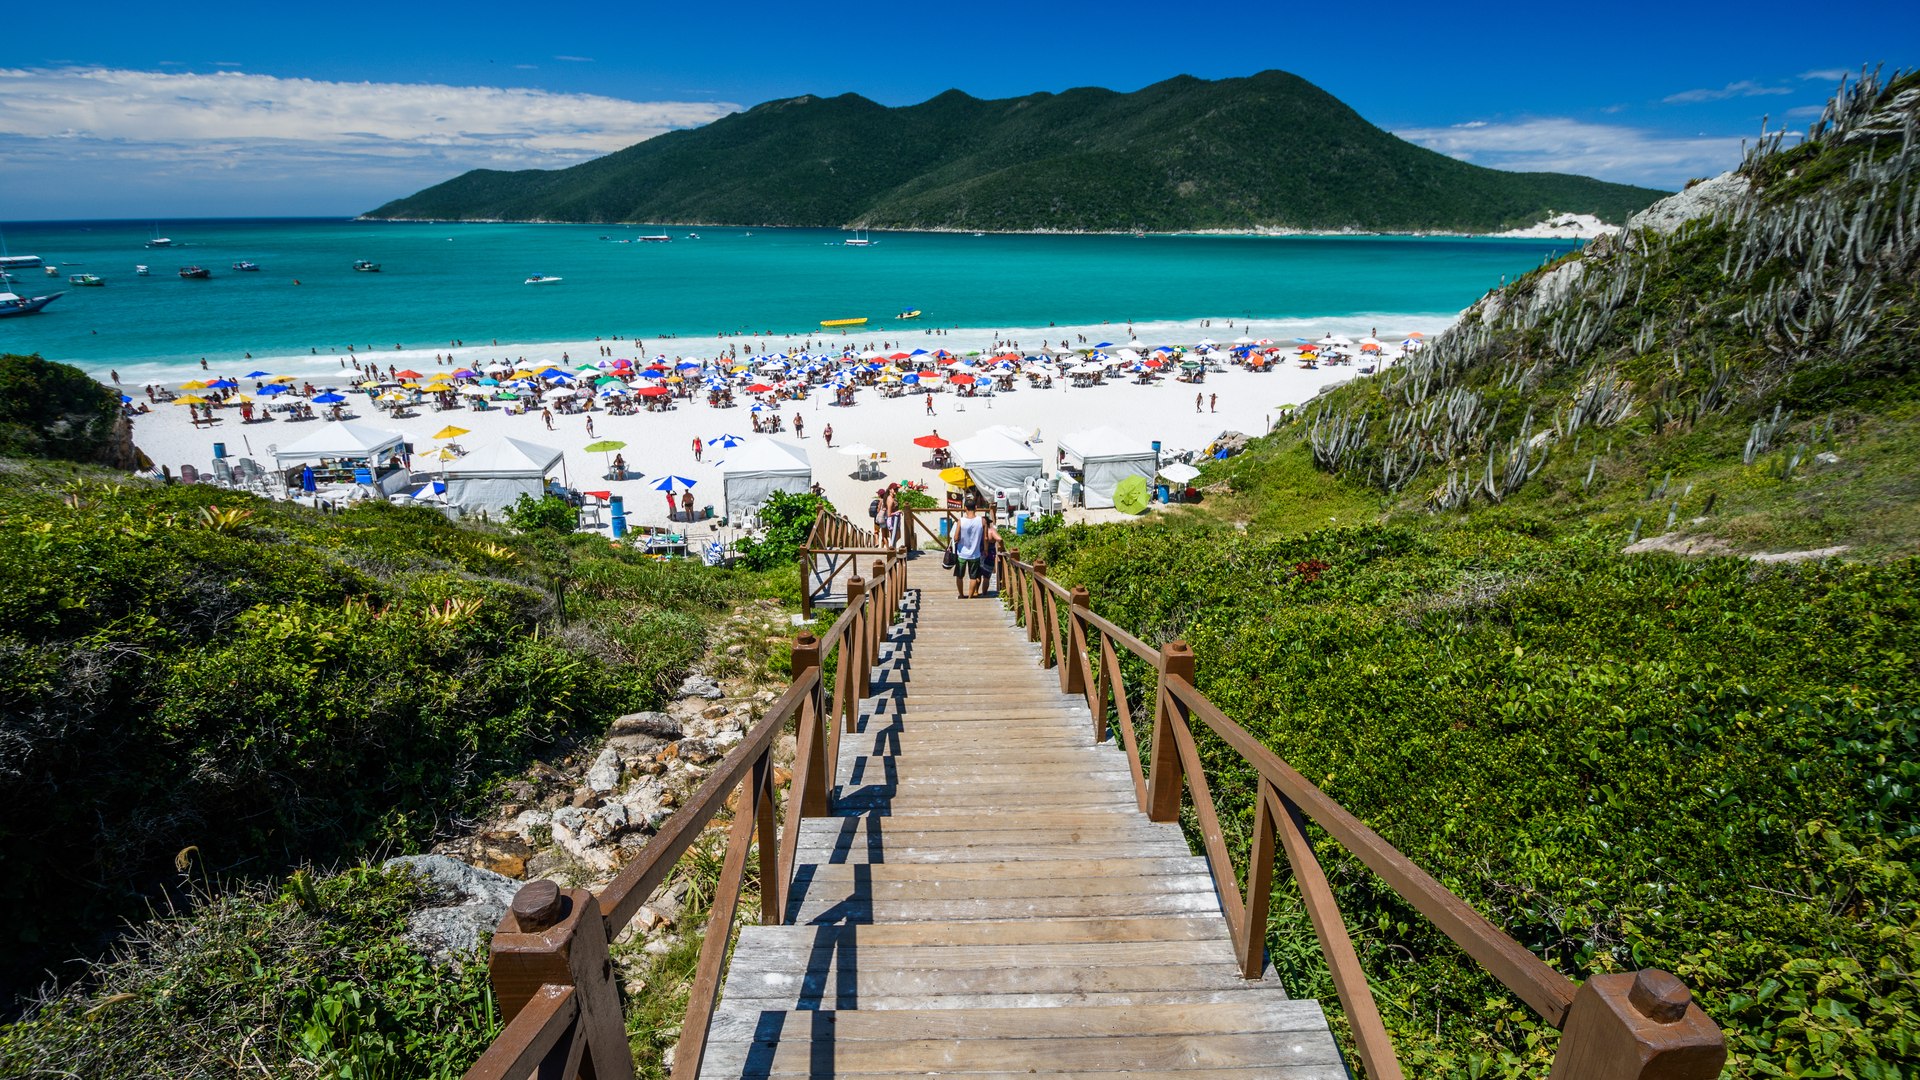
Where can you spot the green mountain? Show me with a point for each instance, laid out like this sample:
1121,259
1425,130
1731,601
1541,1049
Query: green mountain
1269,150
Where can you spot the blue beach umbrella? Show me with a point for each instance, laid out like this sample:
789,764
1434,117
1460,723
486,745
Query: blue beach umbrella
725,442
259,374
276,388
222,384
125,400
306,478
653,373
1104,345
669,484
328,399
686,365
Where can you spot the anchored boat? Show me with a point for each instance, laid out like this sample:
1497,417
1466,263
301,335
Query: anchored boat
199,273
249,267
90,280
366,267
15,304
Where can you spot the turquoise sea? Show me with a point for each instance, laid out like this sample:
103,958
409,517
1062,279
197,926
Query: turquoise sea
441,282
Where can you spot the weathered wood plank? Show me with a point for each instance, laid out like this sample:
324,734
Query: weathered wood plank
839,910
1181,927
1073,869
1247,1014
1140,1053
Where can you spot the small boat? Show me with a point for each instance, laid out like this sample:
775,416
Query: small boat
857,240
844,322
141,269
199,273
693,236
366,267
542,279
249,267
20,262
53,271
90,280
913,314
13,304
660,239
160,241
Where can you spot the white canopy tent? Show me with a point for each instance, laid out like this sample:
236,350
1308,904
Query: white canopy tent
344,441
494,477
997,463
1105,457
759,469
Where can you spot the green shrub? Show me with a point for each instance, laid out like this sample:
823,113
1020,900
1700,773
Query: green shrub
548,513
785,520
51,410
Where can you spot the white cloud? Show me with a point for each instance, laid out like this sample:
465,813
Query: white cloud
1745,88
1622,154
576,59
1832,75
253,128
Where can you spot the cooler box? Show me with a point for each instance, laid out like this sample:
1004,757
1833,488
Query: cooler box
1020,523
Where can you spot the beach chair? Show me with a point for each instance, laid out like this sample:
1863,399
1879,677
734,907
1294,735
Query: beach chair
189,474
223,473
363,476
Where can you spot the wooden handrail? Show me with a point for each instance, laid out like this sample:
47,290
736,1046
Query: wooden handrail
549,958
1627,1027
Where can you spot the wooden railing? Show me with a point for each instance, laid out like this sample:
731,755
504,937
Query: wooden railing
834,544
1641,1026
551,970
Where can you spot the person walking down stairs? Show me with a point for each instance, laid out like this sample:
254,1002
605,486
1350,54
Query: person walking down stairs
969,538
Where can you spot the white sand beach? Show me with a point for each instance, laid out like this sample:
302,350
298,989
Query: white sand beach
659,444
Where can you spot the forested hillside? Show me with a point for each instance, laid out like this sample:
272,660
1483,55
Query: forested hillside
1269,150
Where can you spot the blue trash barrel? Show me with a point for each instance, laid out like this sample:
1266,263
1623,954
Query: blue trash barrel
1020,523
618,508
1156,448
220,451
1163,493
945,524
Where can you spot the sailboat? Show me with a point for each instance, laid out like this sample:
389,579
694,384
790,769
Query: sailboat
155,240
858,239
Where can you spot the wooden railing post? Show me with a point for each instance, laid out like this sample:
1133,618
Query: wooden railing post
1640,1026
812,789
1037,627
555,936
883,604
1163,776
806,582
1072,671
853,658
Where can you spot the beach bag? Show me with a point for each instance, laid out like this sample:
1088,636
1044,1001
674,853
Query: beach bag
873,510
947,559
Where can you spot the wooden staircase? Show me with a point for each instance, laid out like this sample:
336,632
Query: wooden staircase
986,899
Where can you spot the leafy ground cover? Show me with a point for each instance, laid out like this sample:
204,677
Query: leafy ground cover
1625,761
182,667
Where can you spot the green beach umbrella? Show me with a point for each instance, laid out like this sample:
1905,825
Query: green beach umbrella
606,446
1130,495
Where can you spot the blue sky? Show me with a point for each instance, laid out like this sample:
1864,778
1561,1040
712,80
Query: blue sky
148,109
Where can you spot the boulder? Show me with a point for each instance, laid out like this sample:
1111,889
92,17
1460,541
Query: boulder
701,687
700,751
604,774
657,724
472,903
582,833
632,748
714,712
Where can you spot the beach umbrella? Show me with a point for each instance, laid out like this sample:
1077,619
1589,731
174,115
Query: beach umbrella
652,391
489,382
259,374
1243,340
194,385
475,391
1179,472
392,395
961,379
686,365
189,399
408,374
274,388
668,484
957,477
855,449
428,491
451,432
306,479
1130,495
506,395
725,442
329,399
605,446
1136,343
466,373
759,388
931,442
222,384
1104,345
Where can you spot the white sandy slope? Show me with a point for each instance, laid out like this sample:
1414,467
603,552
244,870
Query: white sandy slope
660,444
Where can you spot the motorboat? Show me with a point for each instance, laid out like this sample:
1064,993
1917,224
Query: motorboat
662,238
246,266
911,314
198,273
693,236
15,304
20,262
366,267
89,280
542,279
141,269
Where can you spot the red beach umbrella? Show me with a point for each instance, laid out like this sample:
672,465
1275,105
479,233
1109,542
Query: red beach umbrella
931,442
962,379
651,391
759,388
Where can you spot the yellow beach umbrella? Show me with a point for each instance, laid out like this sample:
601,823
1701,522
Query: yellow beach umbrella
189,399
369,384
194,385
281,378
451,432
955,476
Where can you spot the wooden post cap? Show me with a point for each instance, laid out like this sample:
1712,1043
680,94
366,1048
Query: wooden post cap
1040,567
1660,996
805,640
537,906
1080,597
